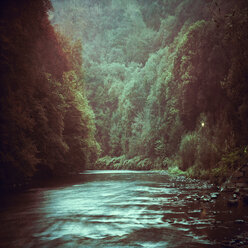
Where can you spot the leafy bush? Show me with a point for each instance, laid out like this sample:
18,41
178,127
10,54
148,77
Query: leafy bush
207,154
234,159
188,150
174,170
220,174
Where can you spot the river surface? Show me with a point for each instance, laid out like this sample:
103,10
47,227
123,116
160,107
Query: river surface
121,209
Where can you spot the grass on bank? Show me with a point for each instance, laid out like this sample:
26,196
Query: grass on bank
217,174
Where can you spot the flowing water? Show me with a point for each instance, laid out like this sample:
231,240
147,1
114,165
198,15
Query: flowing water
121,209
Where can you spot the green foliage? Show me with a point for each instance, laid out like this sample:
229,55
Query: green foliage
235,158
207,154
122,163
175,171
188,150
47,126
220,174
165,79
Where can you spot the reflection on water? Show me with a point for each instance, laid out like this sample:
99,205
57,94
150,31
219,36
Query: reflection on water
119,209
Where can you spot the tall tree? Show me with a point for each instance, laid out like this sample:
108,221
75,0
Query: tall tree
41,90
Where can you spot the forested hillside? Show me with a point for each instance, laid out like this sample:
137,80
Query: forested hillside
47,127
167,80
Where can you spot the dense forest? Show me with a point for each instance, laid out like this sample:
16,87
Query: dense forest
47,127
132,84
167,81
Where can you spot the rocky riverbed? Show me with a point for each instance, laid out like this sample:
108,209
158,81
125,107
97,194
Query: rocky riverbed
124,209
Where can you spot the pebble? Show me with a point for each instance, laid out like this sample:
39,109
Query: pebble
188,198
218,222
214,195
233,202
245,198
235,196
205,198
237,191
239,221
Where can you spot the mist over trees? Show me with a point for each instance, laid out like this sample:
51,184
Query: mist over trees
166,82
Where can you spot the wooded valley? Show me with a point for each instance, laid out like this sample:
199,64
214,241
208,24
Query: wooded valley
114,84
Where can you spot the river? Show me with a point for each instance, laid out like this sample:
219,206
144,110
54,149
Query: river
122,209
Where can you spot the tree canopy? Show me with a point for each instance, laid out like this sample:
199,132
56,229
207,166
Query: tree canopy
47,126
166,83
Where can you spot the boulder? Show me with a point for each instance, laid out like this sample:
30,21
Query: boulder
233,202
245,198
245,168
238,174
214,195
242,185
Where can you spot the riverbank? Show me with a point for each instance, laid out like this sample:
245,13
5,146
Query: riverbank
219,175
123,163
39,180
234,183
